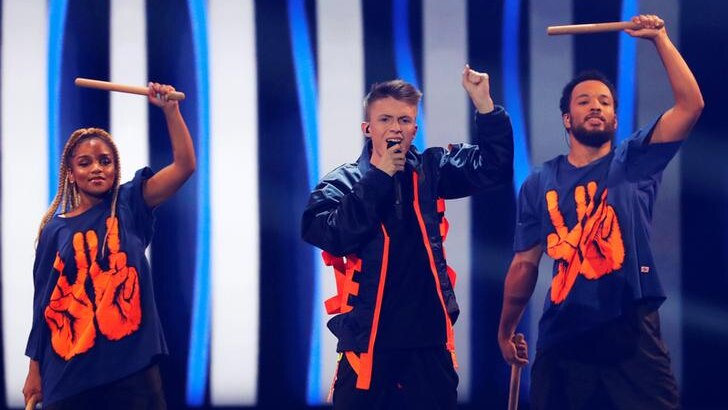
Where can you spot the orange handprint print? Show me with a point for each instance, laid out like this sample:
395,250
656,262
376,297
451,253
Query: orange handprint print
70,314
593,247
118,304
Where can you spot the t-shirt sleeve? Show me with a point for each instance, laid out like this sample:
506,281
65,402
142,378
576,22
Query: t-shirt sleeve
528,221
131,194
643,160
44,257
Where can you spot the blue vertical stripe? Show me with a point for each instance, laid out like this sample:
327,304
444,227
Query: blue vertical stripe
304,63
512,89
305,71
198,360
57,24
626,74
510,50
405,62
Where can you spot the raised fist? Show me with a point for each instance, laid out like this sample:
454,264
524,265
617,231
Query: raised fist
478,87
648,26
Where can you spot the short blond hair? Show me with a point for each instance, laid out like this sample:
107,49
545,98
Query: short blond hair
398,89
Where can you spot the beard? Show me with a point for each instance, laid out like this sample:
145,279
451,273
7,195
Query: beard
594,138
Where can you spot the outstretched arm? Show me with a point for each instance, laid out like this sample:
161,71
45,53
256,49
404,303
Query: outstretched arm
519,285
168,180
676,123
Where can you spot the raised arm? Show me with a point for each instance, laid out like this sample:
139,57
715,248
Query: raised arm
169,179
676,123
519,285
478,87
467,169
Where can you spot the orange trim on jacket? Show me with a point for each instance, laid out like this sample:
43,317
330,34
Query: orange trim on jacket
450,331
345,286
345,267
344,273
444,229
366,360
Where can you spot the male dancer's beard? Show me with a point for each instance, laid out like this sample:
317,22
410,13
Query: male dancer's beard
596,138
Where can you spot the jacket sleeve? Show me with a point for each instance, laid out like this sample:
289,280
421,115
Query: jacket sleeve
466,169
342,213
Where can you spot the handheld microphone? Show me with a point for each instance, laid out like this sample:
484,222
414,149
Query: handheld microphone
397,183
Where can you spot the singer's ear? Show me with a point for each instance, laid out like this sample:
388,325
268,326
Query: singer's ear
566,118
365,128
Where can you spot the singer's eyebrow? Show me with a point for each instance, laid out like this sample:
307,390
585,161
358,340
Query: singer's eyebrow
586,95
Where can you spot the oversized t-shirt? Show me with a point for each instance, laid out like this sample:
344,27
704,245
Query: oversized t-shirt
94,315
594,221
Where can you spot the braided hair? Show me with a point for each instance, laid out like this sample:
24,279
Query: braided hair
67,196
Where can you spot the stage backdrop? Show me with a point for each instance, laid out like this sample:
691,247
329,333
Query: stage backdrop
274,90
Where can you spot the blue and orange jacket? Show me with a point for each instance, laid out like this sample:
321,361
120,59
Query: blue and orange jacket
344,217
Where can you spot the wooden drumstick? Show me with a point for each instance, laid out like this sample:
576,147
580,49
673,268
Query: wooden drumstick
132,89
591,28
30,405
515,385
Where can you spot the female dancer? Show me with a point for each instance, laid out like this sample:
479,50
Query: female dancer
96,334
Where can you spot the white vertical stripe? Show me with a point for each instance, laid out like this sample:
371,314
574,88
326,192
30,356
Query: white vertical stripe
341,90
128,61
551,60
654,96
341,81
24,174
551,66
129,113
128,65
235,212
448,113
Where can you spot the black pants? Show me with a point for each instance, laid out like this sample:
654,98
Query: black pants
401,379
622,365
140,391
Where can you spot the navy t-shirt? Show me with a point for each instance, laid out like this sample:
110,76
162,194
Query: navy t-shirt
94,315
594,221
